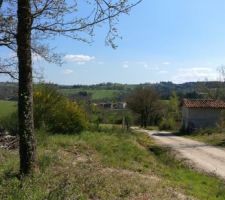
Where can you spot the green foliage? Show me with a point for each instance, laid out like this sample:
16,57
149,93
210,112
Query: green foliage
221,123
57,113
7,107
208,136
87,166
144,101
106,116
8,116
10,123
67,118
167,124
194,183
173,107
46,101
96,94
171,114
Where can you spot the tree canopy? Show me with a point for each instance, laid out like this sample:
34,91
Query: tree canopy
145,102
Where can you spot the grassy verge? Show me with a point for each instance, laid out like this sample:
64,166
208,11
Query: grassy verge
213,137
110,164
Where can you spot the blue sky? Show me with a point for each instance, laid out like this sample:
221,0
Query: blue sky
175,40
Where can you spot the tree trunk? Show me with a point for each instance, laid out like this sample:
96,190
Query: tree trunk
25,103
142,119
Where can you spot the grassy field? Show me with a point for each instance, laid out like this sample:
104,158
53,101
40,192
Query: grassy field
110,164
97,94
7,107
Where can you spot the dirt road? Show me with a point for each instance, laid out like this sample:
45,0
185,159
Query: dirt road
205,157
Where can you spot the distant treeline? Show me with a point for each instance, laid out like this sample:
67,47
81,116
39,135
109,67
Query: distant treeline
8,90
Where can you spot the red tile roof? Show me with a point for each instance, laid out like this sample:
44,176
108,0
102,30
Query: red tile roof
203,103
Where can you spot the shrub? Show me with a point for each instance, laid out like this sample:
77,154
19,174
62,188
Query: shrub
10,123
221,123
67,118
52,111
46,101
57,113
167,124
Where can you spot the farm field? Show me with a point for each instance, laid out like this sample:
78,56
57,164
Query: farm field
97,94
7,107
88,165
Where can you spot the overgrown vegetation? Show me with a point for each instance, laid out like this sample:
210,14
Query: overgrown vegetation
108,164
8,116
57,113
144,101
7,107
52,111
171,117
208,136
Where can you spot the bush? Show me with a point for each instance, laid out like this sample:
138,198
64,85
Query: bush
67,118
10,123
221,123
167,124
46,101
57,113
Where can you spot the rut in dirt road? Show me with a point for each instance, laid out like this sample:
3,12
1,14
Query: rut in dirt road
205,157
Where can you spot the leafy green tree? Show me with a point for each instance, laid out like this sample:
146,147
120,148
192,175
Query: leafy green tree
145,102
171,113
174,106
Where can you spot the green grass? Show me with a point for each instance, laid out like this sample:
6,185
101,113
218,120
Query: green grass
110,164
215,139
194,183
97,94
7,107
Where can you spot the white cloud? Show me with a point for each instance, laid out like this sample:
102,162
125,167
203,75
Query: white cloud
163,72
144,64
67,71
125,65
166,63
194,74
79,58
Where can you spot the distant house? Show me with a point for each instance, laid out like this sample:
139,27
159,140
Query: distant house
113,106
201,113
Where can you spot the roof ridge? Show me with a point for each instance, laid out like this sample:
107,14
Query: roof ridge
203,103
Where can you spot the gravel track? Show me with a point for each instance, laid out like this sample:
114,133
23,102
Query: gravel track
204,157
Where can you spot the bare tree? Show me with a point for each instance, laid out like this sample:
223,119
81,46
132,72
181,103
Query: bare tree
221,71
215,90
25,24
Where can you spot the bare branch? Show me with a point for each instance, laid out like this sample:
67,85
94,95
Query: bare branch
11,74
1,1
53,18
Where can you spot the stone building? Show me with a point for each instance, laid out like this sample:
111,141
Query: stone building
201,113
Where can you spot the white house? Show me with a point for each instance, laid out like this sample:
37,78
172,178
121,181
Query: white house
201,113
